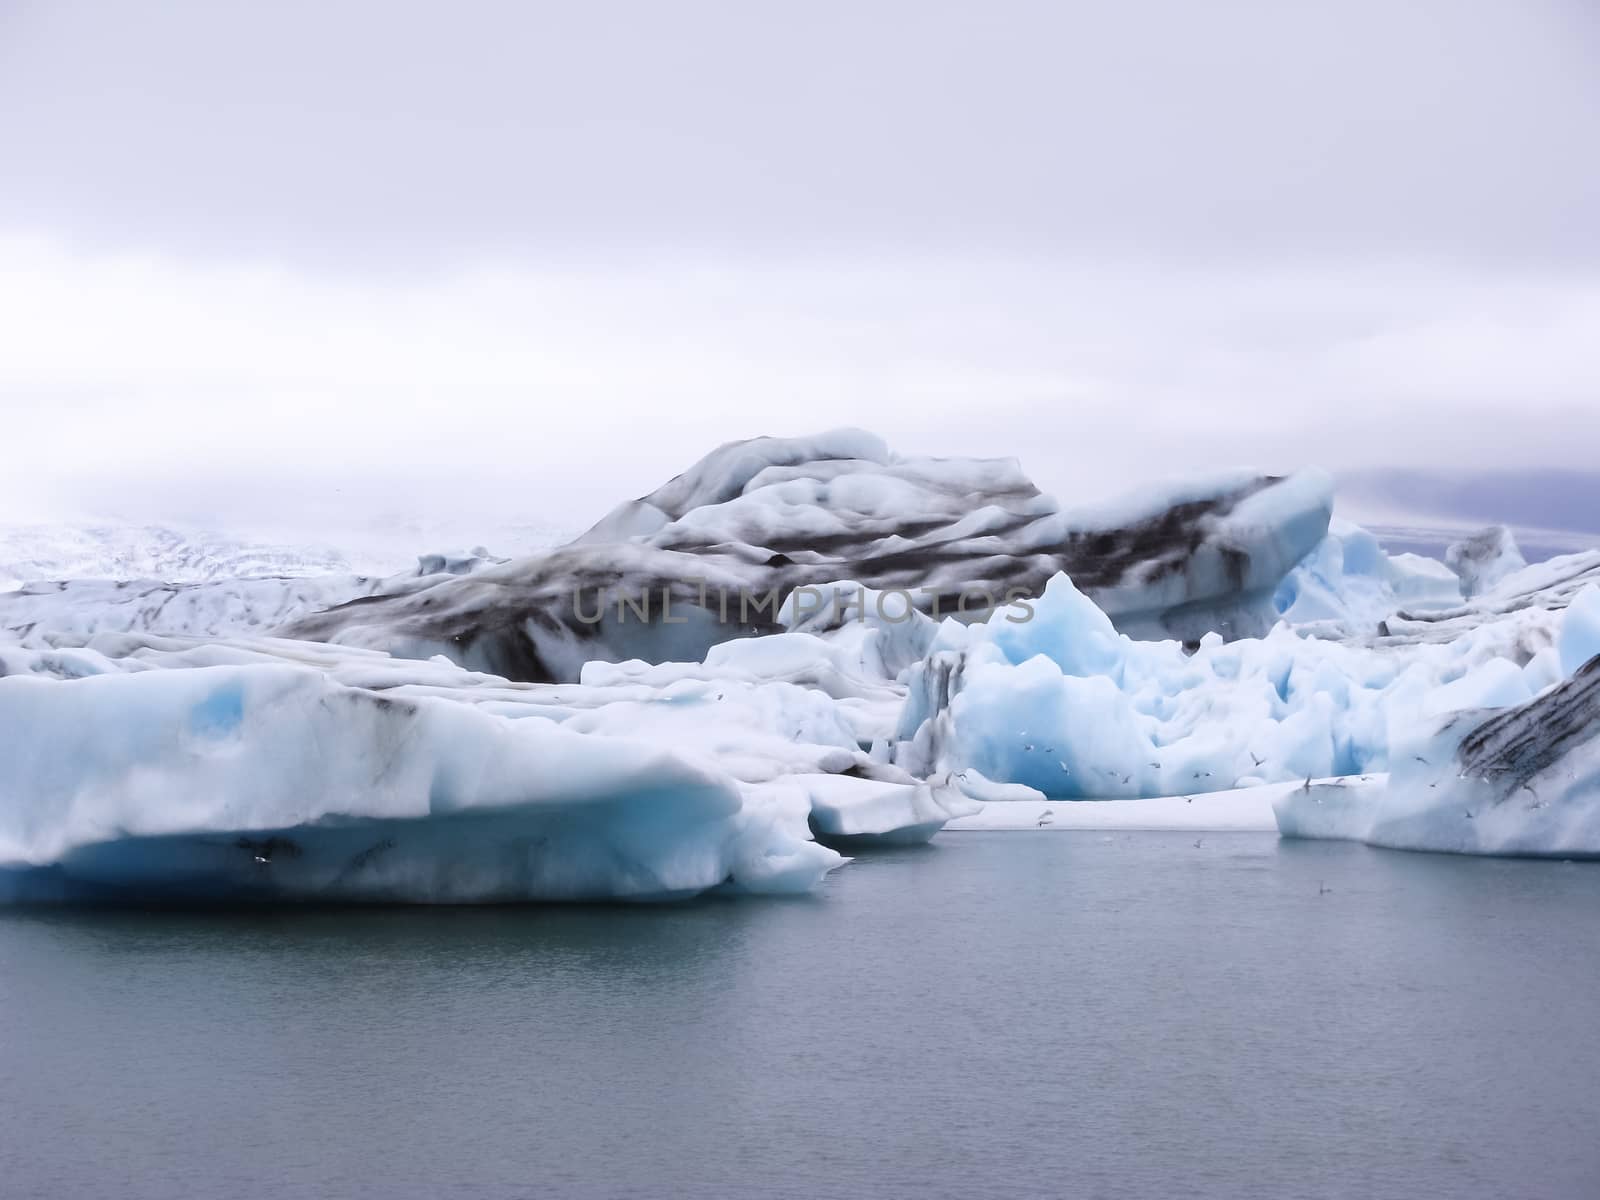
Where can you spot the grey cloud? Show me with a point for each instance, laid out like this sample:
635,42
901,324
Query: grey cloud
298,259
395,132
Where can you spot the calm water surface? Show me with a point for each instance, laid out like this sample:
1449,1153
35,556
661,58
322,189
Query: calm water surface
995,1015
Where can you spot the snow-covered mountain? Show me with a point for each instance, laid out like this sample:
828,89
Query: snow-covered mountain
47,553
30,553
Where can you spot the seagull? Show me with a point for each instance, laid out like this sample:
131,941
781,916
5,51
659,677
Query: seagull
1027,745
1188,799
1307,786
1422,760
1197,842
1254,759
1322,888
1044,818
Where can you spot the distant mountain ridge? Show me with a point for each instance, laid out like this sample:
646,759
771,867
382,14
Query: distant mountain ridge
1546,501
109,550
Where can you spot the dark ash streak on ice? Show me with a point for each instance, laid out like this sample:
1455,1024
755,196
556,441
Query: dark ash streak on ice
769,515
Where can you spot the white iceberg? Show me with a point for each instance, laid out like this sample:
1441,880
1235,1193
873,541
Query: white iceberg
1523,780
1067,705
783,724
1349,585
1190,657
274,783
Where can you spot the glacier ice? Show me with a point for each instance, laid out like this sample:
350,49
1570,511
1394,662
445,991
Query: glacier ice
212,604
1484,559
1579,640
1521,779
211,608
1206,655
783,724
107,550
1530,595
273,782
1347,584
1067,705
710,555
1478,745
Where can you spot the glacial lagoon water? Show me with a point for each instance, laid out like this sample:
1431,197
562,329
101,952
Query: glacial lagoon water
1054,1014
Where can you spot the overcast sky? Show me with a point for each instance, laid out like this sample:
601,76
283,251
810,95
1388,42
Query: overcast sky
303,260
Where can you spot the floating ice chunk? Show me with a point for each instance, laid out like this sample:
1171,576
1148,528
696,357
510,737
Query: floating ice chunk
848,810
1579,640
1485,559
1335,810
1524,781
1422,582
758,710
1066,705
1350,584
271,783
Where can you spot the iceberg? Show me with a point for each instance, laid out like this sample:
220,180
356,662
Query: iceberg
1070,707
273,783
1521,780
1532,596
768,660
711,556
783,725
1348,585
1484,559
